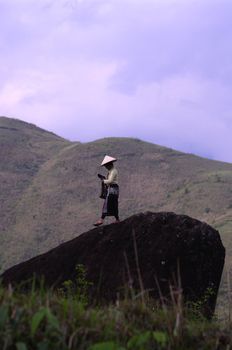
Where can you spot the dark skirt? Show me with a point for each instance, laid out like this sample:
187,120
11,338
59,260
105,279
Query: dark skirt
110,206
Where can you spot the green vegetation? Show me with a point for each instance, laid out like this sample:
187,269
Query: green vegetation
47,320
78,288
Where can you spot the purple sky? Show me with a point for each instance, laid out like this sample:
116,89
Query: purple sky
158,70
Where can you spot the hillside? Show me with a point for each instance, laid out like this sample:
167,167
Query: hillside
49,188
24,148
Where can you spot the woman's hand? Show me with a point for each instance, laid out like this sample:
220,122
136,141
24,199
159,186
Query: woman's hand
101,177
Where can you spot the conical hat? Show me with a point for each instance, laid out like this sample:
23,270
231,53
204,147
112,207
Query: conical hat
108,159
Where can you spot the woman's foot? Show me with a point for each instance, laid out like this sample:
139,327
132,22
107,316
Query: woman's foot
98,223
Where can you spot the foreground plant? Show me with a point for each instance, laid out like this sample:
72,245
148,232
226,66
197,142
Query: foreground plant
45,320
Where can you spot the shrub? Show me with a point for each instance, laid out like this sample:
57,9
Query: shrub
45,320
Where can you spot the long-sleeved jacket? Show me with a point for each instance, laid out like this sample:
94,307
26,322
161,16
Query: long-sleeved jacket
112,177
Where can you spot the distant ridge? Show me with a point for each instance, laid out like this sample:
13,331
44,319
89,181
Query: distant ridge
49,191
7,123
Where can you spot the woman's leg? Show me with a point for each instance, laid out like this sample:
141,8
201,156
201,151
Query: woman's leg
101,220
116,213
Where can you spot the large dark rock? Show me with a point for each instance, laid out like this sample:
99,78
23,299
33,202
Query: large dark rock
165,244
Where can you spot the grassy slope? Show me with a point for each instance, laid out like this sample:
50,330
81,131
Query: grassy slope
60,198
23,150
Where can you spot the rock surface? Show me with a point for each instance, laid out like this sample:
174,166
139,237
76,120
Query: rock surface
154,245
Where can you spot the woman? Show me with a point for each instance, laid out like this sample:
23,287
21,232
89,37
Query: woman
110,206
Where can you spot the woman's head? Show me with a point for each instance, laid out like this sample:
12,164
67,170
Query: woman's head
109,165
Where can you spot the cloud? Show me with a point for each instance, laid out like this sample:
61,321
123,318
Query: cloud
157,70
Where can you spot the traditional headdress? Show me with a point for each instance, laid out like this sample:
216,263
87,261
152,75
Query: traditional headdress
108,159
